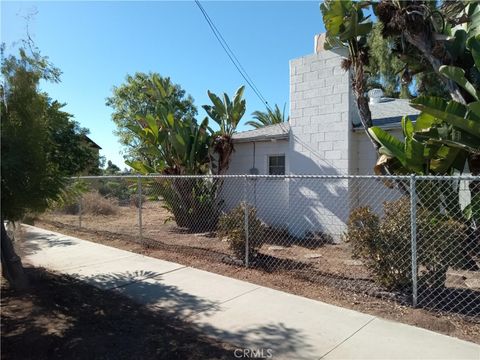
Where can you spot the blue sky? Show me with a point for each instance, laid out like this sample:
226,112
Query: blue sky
96,44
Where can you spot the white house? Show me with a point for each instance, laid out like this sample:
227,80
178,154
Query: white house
323,137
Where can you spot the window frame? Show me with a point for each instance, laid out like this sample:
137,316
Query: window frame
269,156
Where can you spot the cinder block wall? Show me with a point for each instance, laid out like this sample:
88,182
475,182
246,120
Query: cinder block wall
320,96
320,112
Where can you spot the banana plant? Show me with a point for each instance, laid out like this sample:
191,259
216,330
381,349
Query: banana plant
178,145
347,27
181,147
227,114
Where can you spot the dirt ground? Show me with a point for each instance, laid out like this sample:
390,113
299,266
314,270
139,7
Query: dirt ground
322,272
61,318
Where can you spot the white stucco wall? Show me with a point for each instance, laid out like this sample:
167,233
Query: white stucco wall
270,197
368,192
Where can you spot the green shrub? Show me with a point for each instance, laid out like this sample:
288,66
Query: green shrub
67,201
384,244
231,227
119,190
194,203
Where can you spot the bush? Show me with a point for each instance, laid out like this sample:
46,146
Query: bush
231,226
95,204
384,244
194,203
68,200
120,190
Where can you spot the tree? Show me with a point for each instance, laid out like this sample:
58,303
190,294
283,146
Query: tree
111,169
270,117
387,71
227,114
131,98
425,38
68,146
179,145
39,145
440,43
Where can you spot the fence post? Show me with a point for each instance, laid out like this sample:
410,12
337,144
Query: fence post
80,210
246,219
139,189
413,229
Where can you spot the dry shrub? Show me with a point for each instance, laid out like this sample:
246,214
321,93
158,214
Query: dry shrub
135,200
95,204
231,226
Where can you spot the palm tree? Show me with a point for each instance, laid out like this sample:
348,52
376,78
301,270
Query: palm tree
270,117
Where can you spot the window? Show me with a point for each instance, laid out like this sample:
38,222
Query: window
276,165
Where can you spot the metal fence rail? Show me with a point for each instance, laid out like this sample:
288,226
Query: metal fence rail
414,239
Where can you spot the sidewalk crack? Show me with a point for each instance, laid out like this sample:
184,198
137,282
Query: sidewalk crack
223,302
348,338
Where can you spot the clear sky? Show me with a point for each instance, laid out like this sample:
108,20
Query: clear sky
96,44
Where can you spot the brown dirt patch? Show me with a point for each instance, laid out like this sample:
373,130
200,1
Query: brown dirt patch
59,317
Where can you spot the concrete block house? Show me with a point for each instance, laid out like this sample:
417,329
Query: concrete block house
324,136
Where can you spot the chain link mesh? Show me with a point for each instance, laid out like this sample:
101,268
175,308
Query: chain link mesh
415,240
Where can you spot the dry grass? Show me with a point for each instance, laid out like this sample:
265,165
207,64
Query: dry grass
95,204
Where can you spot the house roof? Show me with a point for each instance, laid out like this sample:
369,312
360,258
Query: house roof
92,143
266,133
389,112
386,114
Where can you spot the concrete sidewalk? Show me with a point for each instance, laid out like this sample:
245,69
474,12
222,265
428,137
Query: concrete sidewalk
244,314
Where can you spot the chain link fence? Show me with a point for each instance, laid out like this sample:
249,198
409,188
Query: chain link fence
415,240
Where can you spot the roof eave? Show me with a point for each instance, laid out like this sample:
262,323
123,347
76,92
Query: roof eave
261,138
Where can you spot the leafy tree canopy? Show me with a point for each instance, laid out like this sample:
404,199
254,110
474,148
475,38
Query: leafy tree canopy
111,169
41,144
386,70
133,98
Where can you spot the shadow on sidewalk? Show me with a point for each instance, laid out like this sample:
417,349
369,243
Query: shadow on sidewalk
62,317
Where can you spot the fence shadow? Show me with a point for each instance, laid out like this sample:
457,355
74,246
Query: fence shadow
282,237
451,300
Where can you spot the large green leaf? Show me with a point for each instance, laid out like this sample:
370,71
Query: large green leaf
140,167
414,155
474,108
447,112
334,13
444,159
152,124
458,75
407,127
390,145
474,45
472,210
424,122
219,107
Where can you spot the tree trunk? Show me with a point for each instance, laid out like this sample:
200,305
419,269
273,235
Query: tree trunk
12,268
362,101
425,49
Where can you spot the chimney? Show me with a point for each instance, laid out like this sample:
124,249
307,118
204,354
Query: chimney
375,96
318,43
